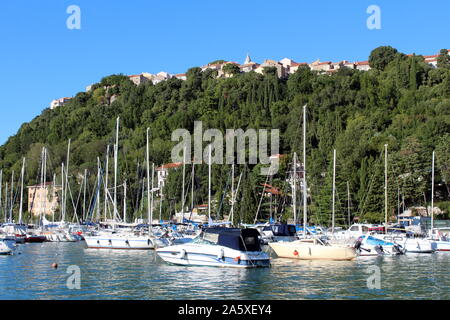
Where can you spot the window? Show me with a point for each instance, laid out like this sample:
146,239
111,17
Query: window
249,241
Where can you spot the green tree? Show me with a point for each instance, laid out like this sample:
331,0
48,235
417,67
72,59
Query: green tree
381,57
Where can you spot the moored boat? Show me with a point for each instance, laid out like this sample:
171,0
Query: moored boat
312,249
220,247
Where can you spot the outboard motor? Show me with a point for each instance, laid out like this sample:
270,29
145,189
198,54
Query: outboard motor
397,249
379,249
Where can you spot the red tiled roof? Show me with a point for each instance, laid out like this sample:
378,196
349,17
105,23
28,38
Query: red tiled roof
169,166
362,63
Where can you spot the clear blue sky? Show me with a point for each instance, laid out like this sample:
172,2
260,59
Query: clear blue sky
41,59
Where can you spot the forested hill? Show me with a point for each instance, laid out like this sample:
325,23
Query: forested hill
401,101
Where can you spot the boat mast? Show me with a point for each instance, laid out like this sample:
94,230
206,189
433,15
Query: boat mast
12,198
294,189
67,180
151,194
192,187
348,203
106,182
184,178
385,189
334,191
232,193
21,191
116,154
53,195
62,189
305,197
98,188
125,201
6,202
148,185
432,195
1,182
209,186
84,194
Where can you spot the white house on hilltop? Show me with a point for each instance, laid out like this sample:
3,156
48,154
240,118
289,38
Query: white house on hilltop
59,102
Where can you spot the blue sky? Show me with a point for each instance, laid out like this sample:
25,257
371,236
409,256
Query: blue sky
41,59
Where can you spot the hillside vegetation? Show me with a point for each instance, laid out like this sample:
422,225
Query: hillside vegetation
401,101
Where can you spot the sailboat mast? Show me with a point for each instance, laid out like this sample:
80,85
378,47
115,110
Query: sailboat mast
385,189
106,182
98,188
62,190
1,183
125,201
348,203
232,194
209,185
84,194
184,181
116,154
432,194
148,184
21,191
53,195
305,197
151,193
294,189
192,186
67,181
334,191
12,198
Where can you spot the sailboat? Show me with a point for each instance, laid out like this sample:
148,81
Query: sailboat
439,241
313,248
135,239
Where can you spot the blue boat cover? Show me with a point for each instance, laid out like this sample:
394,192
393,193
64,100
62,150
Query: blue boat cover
237,239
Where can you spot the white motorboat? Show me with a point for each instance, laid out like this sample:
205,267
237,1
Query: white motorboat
7,246
125,240
411,245
219,247
368,245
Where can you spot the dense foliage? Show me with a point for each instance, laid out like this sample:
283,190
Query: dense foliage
402,102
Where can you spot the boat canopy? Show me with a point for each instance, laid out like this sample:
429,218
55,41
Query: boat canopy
234,238
283,230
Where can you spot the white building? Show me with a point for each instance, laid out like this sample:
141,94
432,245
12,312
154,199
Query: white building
59,102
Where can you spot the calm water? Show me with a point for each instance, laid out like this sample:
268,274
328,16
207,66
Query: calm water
116,274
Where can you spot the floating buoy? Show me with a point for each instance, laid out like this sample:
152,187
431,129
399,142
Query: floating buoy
54,265
295,253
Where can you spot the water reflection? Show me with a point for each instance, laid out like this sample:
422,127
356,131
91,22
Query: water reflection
117,274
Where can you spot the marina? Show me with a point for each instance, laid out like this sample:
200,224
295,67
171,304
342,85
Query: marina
134,275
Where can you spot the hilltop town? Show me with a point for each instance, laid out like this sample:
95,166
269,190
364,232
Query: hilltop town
284,67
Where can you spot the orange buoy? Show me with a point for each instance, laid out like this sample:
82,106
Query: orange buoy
295,253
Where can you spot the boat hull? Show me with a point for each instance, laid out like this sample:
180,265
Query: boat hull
124,243
310,251
214,256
